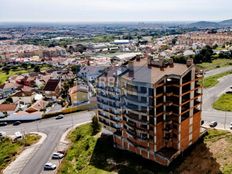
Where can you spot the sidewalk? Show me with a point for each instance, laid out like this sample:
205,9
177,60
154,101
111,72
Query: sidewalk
19,163
62,146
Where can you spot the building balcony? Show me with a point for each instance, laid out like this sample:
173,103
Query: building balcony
168,94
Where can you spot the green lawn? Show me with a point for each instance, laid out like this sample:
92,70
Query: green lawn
224,103
213,80
19,71
217,63
9,149
96,155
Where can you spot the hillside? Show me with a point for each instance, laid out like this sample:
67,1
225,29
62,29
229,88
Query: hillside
208,24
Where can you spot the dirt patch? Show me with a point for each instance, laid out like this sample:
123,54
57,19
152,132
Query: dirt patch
210,157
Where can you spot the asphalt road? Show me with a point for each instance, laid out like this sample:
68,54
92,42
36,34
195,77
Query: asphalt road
217,71
210,96
54,130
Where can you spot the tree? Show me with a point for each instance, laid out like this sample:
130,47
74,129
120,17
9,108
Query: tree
96,127
205,55
25,65
36,69
174,40
6,69
75,69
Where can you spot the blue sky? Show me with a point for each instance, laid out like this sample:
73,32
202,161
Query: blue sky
114,10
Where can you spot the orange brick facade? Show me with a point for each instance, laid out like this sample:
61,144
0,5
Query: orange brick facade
156,120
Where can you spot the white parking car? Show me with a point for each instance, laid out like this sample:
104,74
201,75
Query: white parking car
49,166
231,125
57,155
2,134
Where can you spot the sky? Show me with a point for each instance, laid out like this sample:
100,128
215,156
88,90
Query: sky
114,10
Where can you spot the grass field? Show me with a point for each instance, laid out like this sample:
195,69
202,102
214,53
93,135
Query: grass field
224,103
9,149
217,63
96,155
213,80
19,71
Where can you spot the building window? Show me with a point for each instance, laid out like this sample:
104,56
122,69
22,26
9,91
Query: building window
159,119
143,90
144,99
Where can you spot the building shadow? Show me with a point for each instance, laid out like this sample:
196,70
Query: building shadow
110,159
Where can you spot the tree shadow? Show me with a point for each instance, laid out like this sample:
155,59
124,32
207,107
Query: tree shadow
110,159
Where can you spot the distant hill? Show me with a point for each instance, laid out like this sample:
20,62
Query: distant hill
226,22
208,24
205,24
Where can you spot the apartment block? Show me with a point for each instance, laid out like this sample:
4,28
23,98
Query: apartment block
152,106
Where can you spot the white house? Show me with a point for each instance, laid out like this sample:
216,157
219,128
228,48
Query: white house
23,97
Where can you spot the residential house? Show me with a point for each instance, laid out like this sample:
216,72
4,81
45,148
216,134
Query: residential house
90,73
52,88
38,106
8,88
78,94
7,109
23,97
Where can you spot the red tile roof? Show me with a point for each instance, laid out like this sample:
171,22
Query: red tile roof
7,107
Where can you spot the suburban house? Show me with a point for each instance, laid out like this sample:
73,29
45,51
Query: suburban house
91,73
8,88
7,109
52,88
78,94
23,97
39,105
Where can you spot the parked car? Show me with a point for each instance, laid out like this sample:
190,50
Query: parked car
213,124
17,123
230,125
2,134
57,155
49,166
18,135
3,123
202,122
59,117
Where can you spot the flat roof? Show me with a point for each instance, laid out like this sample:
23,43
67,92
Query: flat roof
142,73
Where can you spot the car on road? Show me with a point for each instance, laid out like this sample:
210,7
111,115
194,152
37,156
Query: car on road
2,134
213,124
49,166
57,155
16,123
3,123
230,125
59,117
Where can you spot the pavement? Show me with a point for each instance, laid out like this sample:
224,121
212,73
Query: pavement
63,145
54,129
217,71
210,96
17,165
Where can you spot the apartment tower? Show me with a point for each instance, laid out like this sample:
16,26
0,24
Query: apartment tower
152,106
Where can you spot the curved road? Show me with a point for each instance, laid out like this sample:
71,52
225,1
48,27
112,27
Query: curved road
211,95
217,71
54,130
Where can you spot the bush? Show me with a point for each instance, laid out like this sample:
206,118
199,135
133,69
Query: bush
96,127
